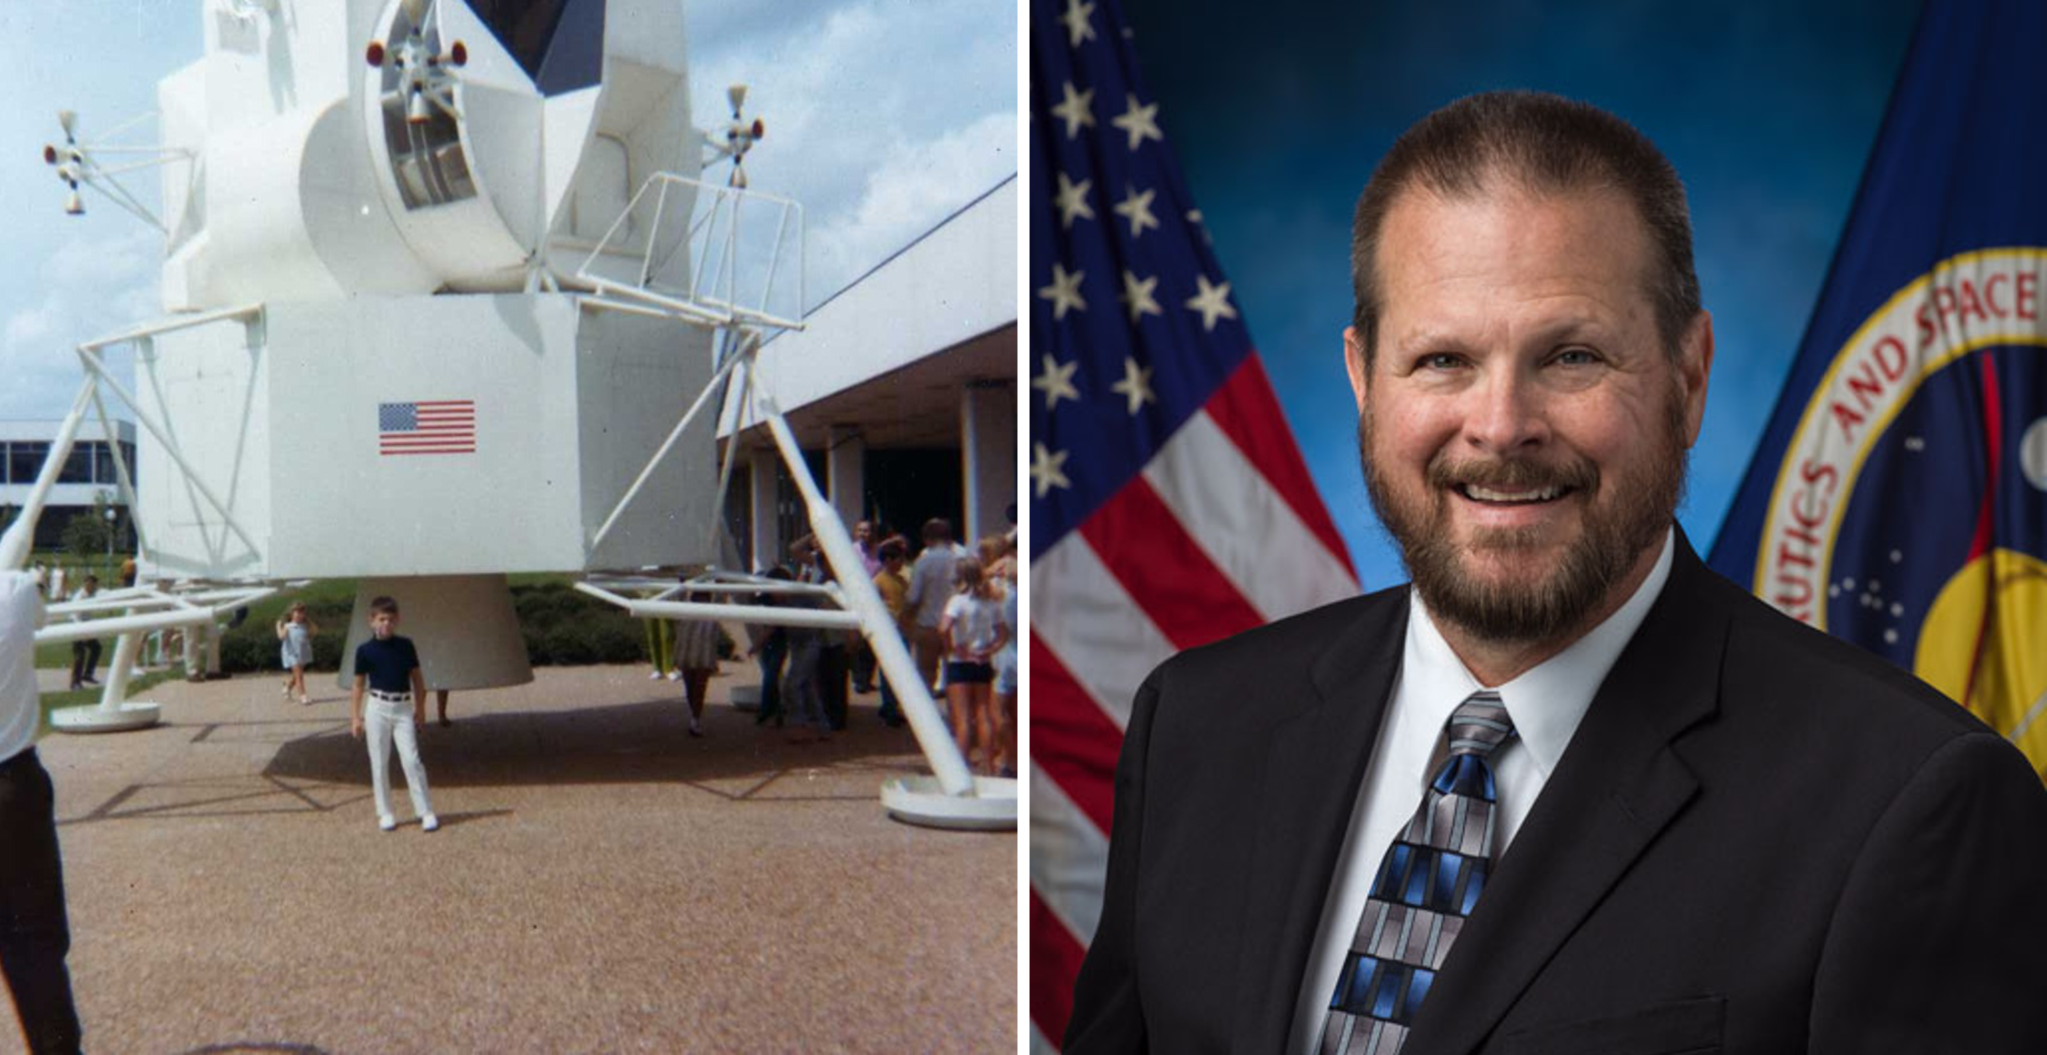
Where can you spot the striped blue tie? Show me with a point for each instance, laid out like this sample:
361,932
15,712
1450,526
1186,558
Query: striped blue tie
1427,884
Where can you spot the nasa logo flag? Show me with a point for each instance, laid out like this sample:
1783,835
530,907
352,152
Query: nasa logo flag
1169,505
1899,497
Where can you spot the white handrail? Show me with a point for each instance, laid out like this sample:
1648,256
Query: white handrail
712,294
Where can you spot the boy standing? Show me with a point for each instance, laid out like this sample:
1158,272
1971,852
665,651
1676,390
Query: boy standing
387,666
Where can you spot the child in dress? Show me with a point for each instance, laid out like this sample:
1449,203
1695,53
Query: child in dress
295,649
386,667
696,656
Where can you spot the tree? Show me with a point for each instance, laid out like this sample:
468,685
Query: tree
91,534
85,536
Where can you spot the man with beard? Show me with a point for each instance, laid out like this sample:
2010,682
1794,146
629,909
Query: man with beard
1568,791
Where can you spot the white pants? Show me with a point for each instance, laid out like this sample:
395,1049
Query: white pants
386,720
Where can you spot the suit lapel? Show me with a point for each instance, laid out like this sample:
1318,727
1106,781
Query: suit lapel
1617,786
1314,764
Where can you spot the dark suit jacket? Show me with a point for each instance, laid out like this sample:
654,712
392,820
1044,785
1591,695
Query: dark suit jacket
1759,840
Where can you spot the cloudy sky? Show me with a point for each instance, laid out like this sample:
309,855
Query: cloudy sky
883,117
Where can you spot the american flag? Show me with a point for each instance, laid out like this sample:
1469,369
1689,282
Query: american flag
1170,506
442,426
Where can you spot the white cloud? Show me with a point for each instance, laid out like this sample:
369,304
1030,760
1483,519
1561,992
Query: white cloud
69,279
30,326
883,116
89,286
118,255
910,190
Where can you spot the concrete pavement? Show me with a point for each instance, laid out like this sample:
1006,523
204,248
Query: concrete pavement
601,883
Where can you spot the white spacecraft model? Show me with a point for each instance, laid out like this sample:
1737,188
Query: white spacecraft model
441,278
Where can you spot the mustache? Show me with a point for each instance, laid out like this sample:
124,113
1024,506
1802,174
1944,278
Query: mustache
1512,474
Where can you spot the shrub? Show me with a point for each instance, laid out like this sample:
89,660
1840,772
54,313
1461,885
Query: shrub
560,626
566,645
564,627
618,640
239,652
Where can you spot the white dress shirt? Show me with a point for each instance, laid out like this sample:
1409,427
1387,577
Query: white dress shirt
21,611
1546,703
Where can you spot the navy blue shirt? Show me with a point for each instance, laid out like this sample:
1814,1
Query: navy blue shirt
389,663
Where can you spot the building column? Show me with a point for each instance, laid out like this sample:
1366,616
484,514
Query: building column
845,474
988,456
764,468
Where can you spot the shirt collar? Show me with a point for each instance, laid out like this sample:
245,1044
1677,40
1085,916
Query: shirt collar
1548,700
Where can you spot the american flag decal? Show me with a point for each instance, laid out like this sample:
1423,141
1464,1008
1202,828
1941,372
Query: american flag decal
443,426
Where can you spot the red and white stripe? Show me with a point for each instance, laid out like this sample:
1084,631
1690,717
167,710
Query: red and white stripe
444,427
1223,531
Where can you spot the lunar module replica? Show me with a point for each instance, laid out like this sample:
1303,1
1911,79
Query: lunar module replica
447,299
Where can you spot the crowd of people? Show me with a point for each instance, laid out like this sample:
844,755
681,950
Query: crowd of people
955,609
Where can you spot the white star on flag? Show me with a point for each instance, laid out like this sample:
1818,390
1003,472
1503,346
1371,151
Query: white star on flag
1136,208
1045,469
1056,381
1187,517
1141,122
1136,385
1073,200
1077,27
1064,292
1212,302
1077,110
1137,296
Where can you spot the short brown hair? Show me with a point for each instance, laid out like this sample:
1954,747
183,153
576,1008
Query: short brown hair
937,529
384,603
1546,144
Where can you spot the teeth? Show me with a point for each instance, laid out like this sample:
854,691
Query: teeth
1485,494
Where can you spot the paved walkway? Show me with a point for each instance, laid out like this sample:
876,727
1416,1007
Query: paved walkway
49,680
601,883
